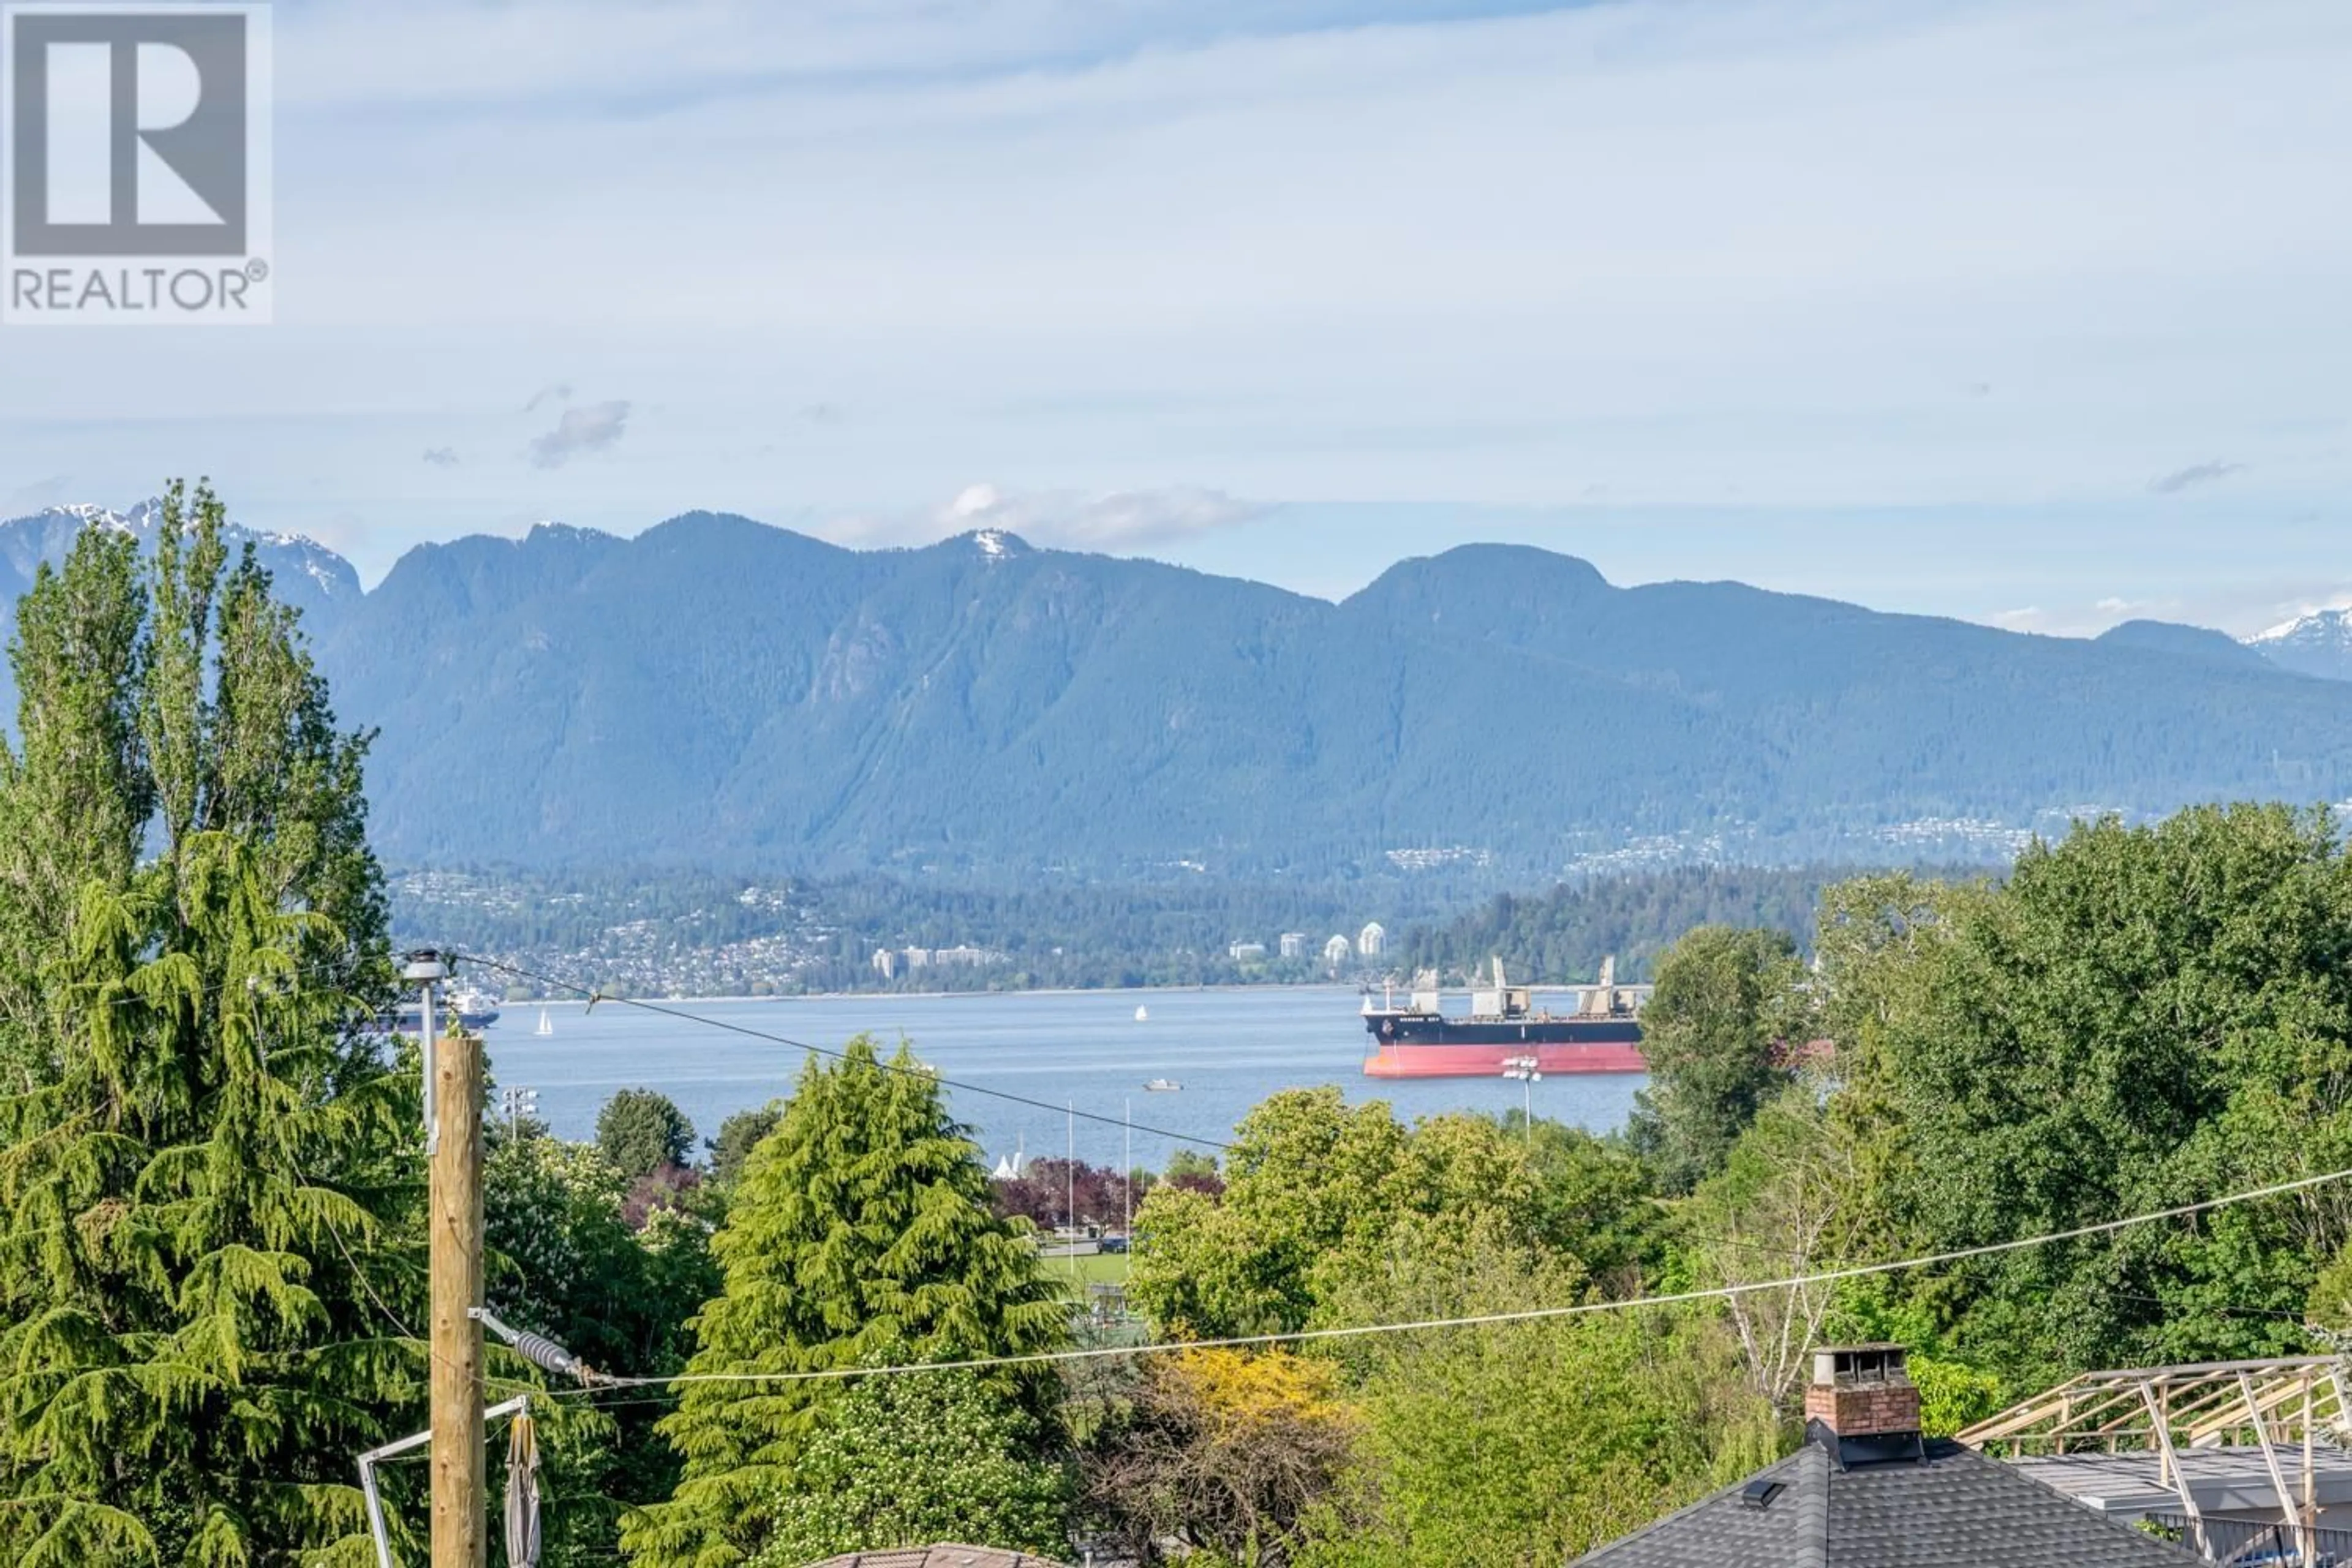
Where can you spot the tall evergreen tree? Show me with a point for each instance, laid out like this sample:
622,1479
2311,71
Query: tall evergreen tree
206,1201
860,1233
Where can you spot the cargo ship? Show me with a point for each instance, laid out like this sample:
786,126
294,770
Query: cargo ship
1503,1029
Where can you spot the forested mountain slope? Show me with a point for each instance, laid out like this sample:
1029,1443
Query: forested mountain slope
718,692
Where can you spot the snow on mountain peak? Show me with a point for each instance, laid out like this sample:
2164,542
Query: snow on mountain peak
297,552
2328,627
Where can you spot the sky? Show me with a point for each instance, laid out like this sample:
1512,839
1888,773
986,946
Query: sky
2029,312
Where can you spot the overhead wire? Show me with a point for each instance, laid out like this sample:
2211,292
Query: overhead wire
1483,1319
596,995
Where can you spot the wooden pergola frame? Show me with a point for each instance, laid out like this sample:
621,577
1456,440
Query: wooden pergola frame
2285,1401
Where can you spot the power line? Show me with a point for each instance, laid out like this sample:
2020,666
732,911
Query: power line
596,995
1486,1320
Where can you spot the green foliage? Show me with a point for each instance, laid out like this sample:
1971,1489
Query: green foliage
563,1262
2139,1017
1563,935
911,1460
1190,1162
1593,1201
861,1231
737,1136
1717,1034
1316,1194
1531,1443
1791,1199
642,1130
207,1225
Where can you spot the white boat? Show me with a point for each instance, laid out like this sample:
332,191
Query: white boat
1142,1014
544,1026
1164,1085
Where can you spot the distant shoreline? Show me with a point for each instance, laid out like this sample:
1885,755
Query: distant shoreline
964,996
1226,988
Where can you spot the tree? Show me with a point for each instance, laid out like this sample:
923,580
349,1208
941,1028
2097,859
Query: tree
1592,1202
911,1460
737,1136
564,1260
207,1218
1788,1201
1047,1187
1527,1442
1715,1033
642,1130
860,1233
1190,1163
1225,1452
2137,1017
1315,1195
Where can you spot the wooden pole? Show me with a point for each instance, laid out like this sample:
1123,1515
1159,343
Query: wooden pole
460,1516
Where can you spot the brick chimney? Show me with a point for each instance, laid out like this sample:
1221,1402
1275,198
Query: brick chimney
1862,1391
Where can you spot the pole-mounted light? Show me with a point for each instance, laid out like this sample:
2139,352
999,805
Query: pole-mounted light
423,970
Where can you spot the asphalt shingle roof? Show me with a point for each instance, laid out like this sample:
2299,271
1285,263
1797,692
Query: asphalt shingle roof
1954,1508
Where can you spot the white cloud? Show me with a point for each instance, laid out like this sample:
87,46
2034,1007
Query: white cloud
1120,520
591,427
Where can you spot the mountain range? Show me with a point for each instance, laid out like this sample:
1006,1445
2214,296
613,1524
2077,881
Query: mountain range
718,692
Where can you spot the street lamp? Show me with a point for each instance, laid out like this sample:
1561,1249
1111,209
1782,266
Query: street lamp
423,970
517,1103
1524,1069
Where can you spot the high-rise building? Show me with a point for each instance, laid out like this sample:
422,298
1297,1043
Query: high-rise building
1372,941
1293,945
1338,951
885,963
1247,952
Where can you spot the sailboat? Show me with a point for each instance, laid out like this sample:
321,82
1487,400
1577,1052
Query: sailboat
544,1026
1142,1014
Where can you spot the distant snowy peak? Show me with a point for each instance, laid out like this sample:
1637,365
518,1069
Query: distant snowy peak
2317,644
998,543
308,573
2329,627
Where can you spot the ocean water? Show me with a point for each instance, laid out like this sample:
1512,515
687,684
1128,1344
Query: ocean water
1229,1049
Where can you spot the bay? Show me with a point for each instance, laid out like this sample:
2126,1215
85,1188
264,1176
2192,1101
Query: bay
1087,1050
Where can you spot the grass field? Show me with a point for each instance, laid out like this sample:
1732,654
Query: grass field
1093,1269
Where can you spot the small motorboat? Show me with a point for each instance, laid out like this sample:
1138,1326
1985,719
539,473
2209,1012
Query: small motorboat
1164,1085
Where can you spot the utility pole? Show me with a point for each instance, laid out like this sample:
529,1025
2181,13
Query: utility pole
453,1144
460,1515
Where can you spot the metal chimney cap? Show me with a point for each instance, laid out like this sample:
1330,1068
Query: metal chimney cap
424,963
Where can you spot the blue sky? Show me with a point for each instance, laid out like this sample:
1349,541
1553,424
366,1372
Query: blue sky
2025,311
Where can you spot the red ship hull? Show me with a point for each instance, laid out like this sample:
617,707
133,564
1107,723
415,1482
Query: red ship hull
1486,1060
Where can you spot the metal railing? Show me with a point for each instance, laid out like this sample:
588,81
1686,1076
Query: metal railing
2247,1543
